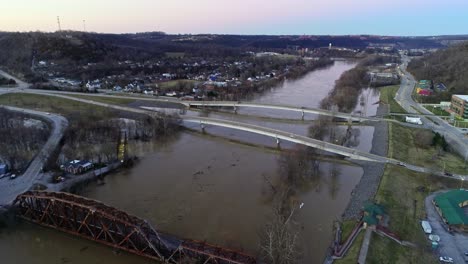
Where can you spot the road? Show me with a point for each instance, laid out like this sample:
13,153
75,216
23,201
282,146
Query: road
20,83
451,245
453,135
10,188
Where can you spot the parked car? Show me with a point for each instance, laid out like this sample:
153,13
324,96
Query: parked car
446,259
435,238
426,227
448,174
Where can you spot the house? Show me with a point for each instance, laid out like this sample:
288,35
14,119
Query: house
77,166
93,86
3,168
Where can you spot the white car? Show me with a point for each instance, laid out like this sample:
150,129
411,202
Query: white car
446,259
435,238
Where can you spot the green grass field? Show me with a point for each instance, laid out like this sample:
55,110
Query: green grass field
437,110
107,100
346,229
402,147
56,105
386,251
352,255
387,94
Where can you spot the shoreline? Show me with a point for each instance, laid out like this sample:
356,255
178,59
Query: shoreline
367,187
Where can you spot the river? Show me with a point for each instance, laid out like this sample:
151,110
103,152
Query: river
204,187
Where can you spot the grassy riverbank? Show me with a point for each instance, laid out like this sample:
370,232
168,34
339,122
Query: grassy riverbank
387,95
353,252
402,194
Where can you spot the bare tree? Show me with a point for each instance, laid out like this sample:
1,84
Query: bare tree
280,237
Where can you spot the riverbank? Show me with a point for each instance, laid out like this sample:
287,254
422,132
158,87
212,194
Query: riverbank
69,184
373,172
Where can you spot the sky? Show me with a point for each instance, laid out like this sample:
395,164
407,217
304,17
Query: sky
265,17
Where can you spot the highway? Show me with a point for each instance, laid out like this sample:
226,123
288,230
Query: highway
453,135
10,188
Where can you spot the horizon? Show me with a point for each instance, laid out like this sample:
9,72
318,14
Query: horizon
294,17
234,34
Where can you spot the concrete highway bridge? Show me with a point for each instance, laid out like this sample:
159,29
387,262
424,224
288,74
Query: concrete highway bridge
287,136
301,110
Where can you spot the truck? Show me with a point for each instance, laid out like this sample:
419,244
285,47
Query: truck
413,120
426,227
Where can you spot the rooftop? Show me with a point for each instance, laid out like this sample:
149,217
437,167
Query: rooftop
461,96
450,204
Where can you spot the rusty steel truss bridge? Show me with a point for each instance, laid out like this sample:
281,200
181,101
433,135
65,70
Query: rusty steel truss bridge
104,224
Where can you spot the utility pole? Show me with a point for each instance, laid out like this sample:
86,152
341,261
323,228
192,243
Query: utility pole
58,23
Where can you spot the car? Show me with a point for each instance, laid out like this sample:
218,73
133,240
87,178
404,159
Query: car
401,164
446,259
448,174
13,176
435,238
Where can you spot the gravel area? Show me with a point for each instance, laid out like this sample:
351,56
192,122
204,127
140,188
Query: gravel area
367,187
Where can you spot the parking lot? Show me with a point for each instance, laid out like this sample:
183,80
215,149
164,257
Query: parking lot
452,245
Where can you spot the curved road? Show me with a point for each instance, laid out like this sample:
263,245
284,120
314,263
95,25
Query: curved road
12,188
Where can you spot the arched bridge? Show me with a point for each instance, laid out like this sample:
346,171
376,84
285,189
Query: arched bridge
101,223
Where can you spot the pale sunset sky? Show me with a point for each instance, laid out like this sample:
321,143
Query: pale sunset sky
276,17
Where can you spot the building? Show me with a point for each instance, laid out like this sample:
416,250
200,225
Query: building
458,105
372,214
450,206
77,166
3,168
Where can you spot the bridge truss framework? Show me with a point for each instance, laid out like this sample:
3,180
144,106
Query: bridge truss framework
104,224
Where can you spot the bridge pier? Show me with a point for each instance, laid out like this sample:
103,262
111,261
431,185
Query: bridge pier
202,126
278,142
302,115
235,109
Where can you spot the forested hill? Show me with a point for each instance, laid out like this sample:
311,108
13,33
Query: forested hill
449,66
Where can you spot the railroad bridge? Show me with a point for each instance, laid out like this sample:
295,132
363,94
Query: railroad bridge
104,224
